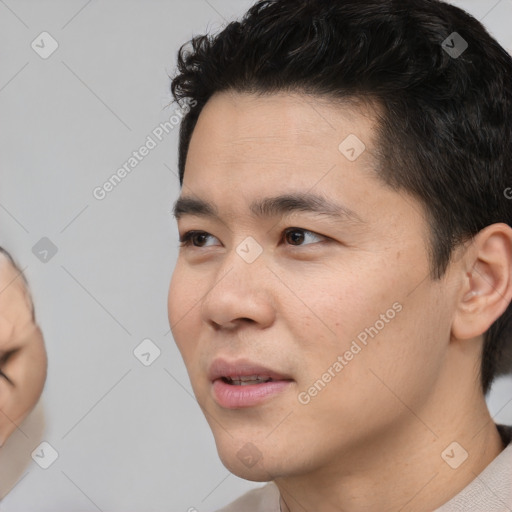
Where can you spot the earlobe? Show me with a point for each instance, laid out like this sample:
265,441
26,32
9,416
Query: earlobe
487,285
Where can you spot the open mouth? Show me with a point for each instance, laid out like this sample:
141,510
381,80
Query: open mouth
242,383
246,380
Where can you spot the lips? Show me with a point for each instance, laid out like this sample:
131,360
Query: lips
246,380
242,370
242,383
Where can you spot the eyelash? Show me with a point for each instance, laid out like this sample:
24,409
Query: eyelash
186,239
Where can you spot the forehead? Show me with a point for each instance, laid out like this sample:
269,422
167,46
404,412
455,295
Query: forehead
278,137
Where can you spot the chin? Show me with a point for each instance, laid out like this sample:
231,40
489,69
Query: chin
255,473
247,460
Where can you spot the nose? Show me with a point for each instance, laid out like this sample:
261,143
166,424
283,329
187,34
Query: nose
241,293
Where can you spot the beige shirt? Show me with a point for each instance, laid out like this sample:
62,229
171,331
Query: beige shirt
491,491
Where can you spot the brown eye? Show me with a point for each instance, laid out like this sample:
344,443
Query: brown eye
296,236
200,238
191,237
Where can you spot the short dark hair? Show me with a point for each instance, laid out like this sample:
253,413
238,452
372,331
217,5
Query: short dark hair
445,132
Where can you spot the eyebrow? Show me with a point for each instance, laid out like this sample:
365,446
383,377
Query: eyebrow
280,205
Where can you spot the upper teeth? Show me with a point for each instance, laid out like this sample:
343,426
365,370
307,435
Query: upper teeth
247,379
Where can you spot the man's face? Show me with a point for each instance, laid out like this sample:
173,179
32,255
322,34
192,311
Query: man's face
339,310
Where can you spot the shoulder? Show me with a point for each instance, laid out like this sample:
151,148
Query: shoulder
491,490
264,499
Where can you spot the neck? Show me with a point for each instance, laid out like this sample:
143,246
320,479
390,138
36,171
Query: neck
413,466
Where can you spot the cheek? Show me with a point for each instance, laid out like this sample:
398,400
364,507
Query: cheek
397,363
183,308
373,318
339,306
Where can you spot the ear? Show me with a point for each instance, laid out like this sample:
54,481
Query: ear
487,283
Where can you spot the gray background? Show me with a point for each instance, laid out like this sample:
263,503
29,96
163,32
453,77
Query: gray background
129,437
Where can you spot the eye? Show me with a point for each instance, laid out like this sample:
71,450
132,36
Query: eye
295,237
298,235
188,238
